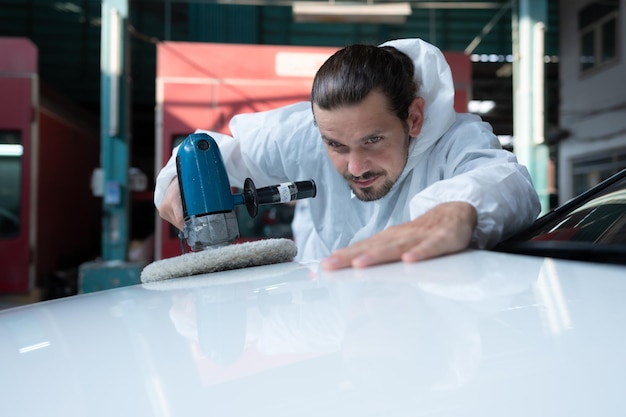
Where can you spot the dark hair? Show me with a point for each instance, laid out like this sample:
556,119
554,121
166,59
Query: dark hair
351,73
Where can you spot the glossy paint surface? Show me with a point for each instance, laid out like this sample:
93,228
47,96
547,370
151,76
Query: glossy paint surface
473,334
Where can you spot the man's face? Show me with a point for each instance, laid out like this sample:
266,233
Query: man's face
367,143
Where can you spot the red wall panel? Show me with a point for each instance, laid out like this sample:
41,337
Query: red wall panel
18,69
59,216
16,113
68,215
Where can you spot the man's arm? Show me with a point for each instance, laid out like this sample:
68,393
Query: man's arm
482,196
444,229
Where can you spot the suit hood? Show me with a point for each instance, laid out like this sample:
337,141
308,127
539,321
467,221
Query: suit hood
434,77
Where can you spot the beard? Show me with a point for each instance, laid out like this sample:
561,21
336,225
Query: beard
376,193
370,193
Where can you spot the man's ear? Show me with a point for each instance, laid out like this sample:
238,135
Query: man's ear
416,116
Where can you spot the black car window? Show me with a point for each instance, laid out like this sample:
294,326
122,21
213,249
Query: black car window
590,227
603,220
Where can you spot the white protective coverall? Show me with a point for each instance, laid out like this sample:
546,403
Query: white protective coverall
455,157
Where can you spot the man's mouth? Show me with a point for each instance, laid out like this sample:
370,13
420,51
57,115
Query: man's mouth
370,186
364,182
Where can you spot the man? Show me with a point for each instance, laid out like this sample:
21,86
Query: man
400,175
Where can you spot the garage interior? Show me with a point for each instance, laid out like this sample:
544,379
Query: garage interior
67,35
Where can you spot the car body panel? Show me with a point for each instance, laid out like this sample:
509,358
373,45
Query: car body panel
472,334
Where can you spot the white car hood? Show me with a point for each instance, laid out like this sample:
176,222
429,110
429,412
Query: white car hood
473,334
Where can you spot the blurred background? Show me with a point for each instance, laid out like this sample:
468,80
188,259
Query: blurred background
79,148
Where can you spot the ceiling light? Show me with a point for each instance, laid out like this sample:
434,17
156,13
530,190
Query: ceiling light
344,12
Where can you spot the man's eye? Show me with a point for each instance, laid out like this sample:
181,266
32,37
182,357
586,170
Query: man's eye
335,145
374,139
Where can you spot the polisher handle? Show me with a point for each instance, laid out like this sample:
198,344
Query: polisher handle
275,194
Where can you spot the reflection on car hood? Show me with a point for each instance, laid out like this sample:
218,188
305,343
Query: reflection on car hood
473,334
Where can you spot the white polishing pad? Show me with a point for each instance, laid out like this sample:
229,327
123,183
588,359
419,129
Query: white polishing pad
240,255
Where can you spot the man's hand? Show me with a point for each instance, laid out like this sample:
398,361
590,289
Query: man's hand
171,208
444,229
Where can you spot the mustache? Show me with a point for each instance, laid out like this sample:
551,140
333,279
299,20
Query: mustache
365,176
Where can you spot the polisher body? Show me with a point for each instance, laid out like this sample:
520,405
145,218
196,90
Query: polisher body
207,199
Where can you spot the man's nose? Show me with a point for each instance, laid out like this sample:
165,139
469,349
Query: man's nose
358,163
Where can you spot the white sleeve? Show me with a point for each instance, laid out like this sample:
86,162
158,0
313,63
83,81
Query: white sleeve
165,177
265,146
503,196
476,170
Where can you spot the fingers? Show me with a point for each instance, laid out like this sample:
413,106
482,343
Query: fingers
171,208
355,257
387,246
443,230
379,251
432,248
